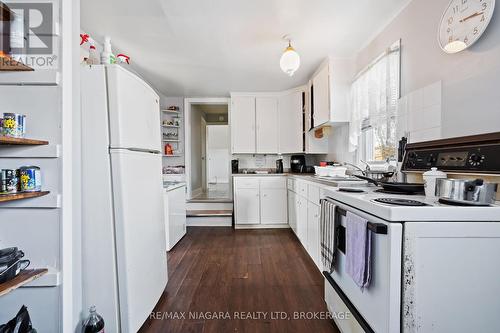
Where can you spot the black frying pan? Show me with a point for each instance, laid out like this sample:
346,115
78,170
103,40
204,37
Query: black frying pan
394,186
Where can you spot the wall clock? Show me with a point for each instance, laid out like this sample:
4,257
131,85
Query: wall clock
463,23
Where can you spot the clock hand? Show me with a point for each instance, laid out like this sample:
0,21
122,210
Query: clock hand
471,16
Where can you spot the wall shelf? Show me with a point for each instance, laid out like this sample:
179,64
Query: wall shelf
40,77
24,277
8,141
170,126
8,64
170,140
175,155
21,196
171,111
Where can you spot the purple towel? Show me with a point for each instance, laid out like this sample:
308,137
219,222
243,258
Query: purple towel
358,250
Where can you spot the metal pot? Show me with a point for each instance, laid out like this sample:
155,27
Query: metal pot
466,191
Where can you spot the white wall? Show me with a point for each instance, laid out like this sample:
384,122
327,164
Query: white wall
196,142
470,79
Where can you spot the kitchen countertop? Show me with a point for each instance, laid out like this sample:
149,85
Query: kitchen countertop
170,186
336,182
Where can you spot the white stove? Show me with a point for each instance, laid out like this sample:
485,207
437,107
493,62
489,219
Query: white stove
434,267
432,212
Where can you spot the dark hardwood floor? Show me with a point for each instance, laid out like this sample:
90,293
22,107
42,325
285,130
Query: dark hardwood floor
249,272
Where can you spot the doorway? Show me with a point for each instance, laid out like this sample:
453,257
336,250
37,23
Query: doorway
208,149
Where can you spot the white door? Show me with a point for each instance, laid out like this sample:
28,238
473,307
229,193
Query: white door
273,206
302,220
290,123
140,234
134,111
243,124
267,125
321,96
247,205
217,154
313,233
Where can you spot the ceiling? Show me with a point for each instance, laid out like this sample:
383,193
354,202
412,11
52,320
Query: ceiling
211,47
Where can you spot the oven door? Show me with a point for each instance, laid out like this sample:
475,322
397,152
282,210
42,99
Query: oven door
377,308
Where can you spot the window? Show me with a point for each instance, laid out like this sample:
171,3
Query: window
374,97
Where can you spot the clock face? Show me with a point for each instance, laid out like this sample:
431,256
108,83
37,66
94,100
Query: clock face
463,22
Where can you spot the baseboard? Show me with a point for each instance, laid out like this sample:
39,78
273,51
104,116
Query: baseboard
206,221
261,226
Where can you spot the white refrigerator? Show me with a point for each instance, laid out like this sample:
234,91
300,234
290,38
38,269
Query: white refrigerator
123,233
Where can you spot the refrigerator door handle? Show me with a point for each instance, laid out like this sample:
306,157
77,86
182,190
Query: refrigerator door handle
140,150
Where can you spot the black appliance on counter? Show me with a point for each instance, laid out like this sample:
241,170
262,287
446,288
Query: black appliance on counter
279,166
298,164
235,166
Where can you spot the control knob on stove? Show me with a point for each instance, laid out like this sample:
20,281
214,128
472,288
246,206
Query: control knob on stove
476,160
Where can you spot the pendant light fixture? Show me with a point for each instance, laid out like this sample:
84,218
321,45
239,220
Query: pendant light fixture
290,59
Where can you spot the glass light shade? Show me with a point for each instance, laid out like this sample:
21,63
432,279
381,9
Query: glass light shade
455,46
290,61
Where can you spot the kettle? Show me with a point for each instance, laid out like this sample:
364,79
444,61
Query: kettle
279,166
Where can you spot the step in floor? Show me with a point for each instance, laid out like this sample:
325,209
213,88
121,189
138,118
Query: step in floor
209,213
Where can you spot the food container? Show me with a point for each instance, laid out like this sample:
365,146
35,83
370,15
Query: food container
14,125
430,178
466,192
31,179
11,263
9,181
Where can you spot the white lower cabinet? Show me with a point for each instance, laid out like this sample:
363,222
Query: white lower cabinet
273,206
260,200
248,202
292,210
302,220
313,233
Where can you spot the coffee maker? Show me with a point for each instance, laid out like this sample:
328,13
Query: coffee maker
298,164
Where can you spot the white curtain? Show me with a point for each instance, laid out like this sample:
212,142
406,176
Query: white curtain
374,96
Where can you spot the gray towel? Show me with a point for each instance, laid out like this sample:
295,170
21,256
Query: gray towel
328,236
358,250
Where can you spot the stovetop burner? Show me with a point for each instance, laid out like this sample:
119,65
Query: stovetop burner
401,202
381,190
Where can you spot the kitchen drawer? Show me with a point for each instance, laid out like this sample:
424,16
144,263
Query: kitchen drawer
313,194
292,184
246,182
301,187
273,182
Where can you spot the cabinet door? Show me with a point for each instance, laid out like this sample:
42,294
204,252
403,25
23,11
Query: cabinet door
247,205
273,206
302,220
321,96
292,211
313,237
243,124
267,124
290,123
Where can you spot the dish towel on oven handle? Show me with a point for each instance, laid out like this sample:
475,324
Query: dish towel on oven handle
358,250
328,235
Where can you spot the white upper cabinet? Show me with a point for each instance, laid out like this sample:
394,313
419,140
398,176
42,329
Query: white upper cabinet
266,110
329,89
243,124
320,92
290,123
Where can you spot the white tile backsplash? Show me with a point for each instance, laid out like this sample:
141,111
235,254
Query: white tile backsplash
432,95
419,114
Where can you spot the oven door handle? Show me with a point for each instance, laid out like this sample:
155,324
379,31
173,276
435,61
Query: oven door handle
376,228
